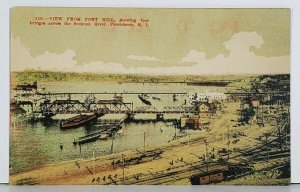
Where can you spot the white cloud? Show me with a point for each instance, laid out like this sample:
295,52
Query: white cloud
143,58
239,61
194,57
21,60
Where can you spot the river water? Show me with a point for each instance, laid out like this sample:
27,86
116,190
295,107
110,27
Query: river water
37,144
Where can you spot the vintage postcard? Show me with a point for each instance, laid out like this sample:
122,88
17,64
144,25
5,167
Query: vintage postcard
132,96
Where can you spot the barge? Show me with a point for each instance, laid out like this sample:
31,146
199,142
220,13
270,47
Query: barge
78,120
105,133
90,138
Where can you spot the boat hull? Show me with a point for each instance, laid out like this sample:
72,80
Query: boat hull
144,100
78,121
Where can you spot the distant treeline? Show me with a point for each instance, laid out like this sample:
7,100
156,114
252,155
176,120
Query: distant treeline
272,83
31,76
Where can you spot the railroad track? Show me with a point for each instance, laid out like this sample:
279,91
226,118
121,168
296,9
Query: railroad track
165,176
186,170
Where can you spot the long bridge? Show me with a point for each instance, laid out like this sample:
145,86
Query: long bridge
49,104
106,107
70,95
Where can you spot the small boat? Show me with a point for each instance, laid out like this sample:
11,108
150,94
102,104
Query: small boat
170,124
102,126
104,136
86,139
120,132
175,98
118,97
146,96
156,98
145,101
91,138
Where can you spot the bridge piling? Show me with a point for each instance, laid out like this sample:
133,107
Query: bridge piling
130,117
159,116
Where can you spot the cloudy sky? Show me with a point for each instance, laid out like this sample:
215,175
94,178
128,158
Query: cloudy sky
178,41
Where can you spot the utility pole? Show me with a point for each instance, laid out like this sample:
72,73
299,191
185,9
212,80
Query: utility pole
175,136
286,129
267,145
286,133
206,156
186,130
94,162
123,166
112,144
279,134
286,139
144,141
261,114
228,142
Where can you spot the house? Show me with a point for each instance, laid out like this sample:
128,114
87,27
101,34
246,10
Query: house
207,97
255,101
267,97
217,104
191,122
204,107
26,89
194,122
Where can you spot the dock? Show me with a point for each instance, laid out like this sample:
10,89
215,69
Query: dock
108,129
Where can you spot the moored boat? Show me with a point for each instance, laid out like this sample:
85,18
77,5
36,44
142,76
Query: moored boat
78,120
104,136
142,98
120,132
156,98
86,139
118,97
